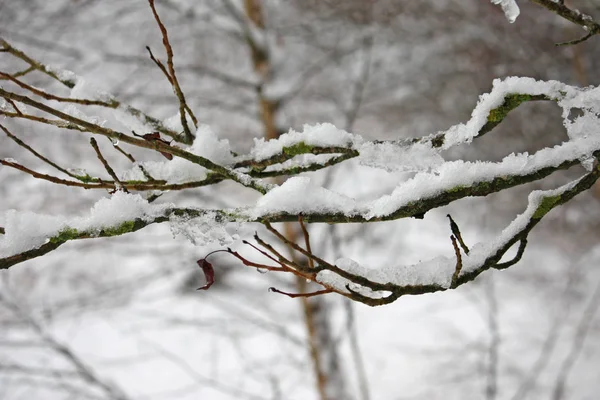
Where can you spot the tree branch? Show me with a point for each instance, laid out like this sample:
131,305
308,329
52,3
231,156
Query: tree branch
183,107
574,16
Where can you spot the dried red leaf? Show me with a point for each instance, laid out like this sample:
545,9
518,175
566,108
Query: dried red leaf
168,156
155,137
209,273
152,136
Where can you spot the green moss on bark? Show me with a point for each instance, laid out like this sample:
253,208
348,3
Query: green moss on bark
547,204
511,102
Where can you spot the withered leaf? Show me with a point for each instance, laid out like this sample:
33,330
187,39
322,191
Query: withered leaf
154,137
209,273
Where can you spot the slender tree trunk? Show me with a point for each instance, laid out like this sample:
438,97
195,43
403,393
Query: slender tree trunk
323,349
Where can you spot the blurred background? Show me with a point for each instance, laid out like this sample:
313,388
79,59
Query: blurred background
119,318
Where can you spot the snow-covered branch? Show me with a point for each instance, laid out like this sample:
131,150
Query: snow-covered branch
201,158
210,160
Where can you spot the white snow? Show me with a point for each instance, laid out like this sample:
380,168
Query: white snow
322,135
27,230
74,111
63,74
205,229
439,270
179,170
130,122
464,133
396,157
298,194
510,8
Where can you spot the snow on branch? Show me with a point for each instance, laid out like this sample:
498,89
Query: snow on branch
510,8
207,160
78,85
512,11
575,16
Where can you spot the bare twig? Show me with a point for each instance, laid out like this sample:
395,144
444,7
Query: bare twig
49,96
100,184
458,262
183,107
295,295
154,145
35,153
574,16
69,80
311,263
126,154
457,235
107,167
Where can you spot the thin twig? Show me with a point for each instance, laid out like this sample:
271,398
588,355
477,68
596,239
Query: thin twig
456,233
107,167
160,65
126,154
183,107
311,263
69,80
49,96
35,153
100,184
249,263
295,295
574,16
264,253
14,106
281,237
282,259
458,262
241,178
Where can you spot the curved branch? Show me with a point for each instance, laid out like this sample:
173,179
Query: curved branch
574,16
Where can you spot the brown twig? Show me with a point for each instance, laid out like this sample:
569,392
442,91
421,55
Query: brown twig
282,259
243,179
295,295
126,154
53,179
456,233
69,82
183,107
249,263
49,96
574,16
311,263
293,245
35,153
107,167
14,106
264,253
46,121
458,262
160,65
98,184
